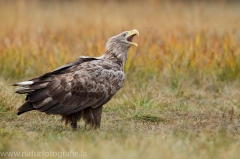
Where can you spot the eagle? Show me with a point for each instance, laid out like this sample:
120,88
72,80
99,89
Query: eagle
78,90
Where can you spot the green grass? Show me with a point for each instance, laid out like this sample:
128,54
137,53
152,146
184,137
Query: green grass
198,123
181,96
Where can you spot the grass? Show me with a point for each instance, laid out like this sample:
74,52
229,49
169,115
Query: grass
181,96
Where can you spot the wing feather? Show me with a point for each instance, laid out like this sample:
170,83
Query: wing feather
61,96
54,87
58,109
44,108
38,95
42,102
75,86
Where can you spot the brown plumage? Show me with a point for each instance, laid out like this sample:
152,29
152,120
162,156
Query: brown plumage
79,90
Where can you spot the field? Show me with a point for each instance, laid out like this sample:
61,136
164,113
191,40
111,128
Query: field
181,96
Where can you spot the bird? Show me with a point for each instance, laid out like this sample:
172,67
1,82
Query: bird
78,90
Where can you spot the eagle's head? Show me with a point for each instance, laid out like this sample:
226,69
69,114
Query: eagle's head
117,46
123,40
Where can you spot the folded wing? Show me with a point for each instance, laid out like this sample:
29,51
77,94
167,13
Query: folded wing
72,88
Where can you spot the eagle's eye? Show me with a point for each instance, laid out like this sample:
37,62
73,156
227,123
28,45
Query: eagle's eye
124,34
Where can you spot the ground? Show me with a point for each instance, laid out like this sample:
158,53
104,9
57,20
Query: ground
181,96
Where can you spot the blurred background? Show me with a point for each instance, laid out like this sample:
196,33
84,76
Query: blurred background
178,40
181,95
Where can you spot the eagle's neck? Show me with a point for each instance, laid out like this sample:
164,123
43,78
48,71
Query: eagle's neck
118,56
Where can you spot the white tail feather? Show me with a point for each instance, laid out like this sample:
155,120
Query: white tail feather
23,90
25,83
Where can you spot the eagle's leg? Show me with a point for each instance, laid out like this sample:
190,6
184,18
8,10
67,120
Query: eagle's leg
88,117
74,125
92,117
97,113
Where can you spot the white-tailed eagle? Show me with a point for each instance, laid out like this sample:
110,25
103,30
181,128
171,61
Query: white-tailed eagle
79,90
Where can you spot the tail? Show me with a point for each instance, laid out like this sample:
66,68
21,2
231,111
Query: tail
27,106
23,87
27,87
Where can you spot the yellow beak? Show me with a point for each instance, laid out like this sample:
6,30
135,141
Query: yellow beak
130,36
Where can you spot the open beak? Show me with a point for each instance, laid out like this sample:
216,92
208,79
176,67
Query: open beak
130,36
